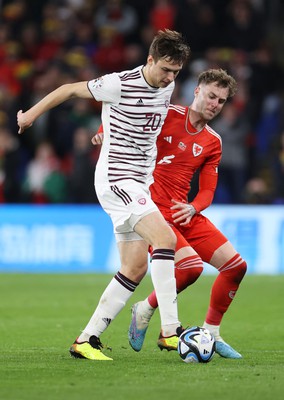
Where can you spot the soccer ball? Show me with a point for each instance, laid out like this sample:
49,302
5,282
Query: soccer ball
196,345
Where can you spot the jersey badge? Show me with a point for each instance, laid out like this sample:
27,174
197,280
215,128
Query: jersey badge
168,139
182,146
140,102
98,82
141,200
196,149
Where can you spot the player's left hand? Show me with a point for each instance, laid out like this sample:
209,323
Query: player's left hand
185,213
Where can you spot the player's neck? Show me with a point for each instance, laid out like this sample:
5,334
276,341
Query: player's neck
146,74
195,121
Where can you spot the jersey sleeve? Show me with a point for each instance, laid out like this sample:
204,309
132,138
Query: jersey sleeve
106,88
205,195
208,179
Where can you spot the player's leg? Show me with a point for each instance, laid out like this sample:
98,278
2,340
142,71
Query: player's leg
188,267
133,255
154,229
219,252
122,206
232,269
144,218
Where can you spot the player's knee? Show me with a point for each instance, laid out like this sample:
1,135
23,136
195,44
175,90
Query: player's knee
172,241
166,240
171,238
242,269
238,271
187,272
185,279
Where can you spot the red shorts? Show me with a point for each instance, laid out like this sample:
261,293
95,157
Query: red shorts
200,234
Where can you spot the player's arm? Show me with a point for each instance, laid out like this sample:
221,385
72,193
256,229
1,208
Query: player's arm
53,99
185,211
208,178
207,186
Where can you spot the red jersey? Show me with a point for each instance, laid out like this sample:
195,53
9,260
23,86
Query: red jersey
181,151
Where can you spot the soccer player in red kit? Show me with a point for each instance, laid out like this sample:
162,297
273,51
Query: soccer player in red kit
186,144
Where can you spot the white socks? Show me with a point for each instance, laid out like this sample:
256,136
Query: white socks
111,303
162,272
144,313
215,330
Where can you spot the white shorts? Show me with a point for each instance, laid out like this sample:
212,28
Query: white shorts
126,205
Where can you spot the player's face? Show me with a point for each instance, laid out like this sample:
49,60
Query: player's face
209,100
161,73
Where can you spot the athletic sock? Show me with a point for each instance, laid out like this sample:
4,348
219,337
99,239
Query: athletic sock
224,288
223,292
152,300
112,301
144,314
162,272
215,330
187,271
145,308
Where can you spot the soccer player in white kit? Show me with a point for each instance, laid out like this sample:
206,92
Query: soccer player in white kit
135,105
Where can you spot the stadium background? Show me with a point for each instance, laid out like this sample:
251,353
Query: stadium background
49,217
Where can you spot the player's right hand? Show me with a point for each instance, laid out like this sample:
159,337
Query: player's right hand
184,214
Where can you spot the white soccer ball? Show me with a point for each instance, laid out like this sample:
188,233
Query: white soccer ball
196,345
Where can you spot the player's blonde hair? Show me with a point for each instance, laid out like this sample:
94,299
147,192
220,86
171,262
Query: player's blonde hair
221,77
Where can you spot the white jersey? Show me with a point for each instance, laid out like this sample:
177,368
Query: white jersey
133,113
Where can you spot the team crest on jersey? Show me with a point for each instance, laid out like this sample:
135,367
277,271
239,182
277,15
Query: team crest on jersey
196,149
182,146
141,200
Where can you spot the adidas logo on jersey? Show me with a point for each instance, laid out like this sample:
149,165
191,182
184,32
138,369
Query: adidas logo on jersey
168,139
140,101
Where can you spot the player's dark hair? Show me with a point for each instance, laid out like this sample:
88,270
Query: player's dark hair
221,77
170,44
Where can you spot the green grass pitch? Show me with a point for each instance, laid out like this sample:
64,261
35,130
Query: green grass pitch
42,314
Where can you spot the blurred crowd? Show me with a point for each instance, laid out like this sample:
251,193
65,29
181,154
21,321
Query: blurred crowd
44,44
